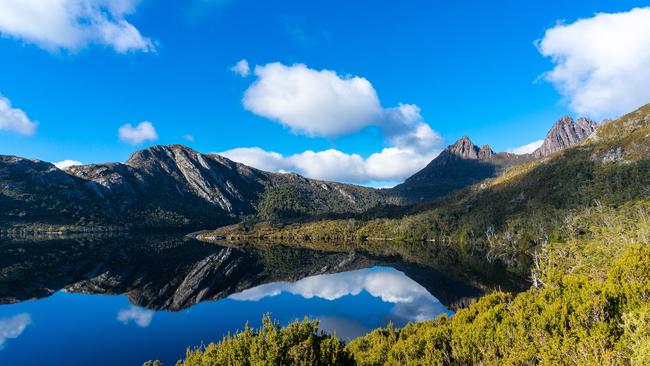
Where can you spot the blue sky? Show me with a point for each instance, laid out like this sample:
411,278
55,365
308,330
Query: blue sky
471,67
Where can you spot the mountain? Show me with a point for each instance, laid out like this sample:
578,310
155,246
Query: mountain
463,163
162,187
174,186
564,133
509,217
459,165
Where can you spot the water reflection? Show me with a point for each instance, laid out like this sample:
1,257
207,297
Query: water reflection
174,273
141,317
171,292
13,327
412,301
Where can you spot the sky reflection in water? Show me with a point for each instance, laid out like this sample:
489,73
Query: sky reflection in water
71,328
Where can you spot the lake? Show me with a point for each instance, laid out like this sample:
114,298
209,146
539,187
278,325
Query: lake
125,300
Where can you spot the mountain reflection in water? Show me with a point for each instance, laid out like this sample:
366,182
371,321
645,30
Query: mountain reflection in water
172,292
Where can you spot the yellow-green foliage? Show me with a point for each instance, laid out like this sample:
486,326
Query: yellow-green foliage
582,218
300,343
426,343
590,306
571,321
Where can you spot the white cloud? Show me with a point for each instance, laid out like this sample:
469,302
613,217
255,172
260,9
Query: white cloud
405,128
241,68
323,103
526,149
389,165
67,163
413,302
13,327
602,64
73,24
14,119
311,102
189,137
395,164
141,317
139,134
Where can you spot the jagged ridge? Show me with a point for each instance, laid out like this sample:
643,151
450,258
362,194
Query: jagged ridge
162,186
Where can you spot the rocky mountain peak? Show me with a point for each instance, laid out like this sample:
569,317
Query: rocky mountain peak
564,133
464,148
160,153
486,152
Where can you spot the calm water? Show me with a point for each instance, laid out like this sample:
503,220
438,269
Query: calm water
123,301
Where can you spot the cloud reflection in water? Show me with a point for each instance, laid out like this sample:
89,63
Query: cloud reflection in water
412,302
13,327
141,317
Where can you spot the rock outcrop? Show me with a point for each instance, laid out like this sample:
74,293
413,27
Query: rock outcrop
564,133
459,165
463,163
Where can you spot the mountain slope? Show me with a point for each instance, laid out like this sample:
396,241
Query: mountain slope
565,133
159,187
510,216
463,163
459,165
174,186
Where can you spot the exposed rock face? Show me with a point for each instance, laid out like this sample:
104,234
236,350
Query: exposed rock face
464,163
486,152
175,186
459,165
162,186
564,133
464,149
178,175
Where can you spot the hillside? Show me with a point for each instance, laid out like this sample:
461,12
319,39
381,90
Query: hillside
171,187
577,222
459,165
463,163
509,216
162,187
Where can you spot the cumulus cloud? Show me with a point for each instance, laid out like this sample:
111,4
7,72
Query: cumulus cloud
241,68
67,163
391,164
141,317
602,63
325,104
413,302
14,119
13,327
405,128
73,24
526,149
312,102
139,134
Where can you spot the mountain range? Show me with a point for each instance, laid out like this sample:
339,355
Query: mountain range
463,163
176,187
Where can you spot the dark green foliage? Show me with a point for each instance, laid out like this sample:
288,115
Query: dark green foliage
281,203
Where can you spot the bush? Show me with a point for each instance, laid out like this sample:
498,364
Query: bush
299,343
